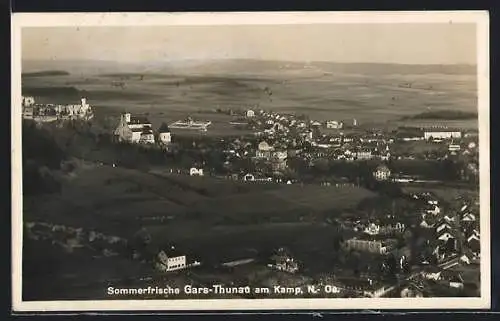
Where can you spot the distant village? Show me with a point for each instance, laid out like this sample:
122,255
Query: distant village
53,112
277,138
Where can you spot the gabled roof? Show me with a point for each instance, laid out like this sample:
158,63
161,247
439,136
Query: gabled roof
443,227
164,128
449,218
473,237
444,234
468,217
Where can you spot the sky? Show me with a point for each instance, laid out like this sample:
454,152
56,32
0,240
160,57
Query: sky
411,43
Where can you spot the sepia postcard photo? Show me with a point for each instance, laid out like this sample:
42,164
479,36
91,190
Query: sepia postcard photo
250,161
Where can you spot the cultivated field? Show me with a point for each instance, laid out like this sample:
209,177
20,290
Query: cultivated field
120,200
369,97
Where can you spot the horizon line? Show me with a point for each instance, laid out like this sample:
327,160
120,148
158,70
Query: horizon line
255,59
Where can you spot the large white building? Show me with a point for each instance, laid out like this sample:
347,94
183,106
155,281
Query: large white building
333,124
442,134
170,262
382,173
367,245
134,130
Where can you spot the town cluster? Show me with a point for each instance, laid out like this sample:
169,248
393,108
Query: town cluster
54,112
279,138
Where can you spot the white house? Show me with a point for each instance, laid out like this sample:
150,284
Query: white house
456,282
250,113
333,124
196,172
382,173
171,261
465,259
433,210
249,178
445,236
28,101
474,243
443,226
426,224
372,229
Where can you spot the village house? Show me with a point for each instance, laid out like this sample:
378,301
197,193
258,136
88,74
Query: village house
443,227
164,134
474,244
382,173
250,113
283,261
278,160
445,235
264,150
170,260
364,155
433,209
426,223
333,124
134,129
28,101
369,245
453,279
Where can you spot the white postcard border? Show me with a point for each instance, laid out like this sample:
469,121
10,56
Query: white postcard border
480,18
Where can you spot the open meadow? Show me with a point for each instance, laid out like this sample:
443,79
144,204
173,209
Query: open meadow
379,96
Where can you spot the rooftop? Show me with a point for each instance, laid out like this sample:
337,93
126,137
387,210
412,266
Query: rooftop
164,128
138,120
